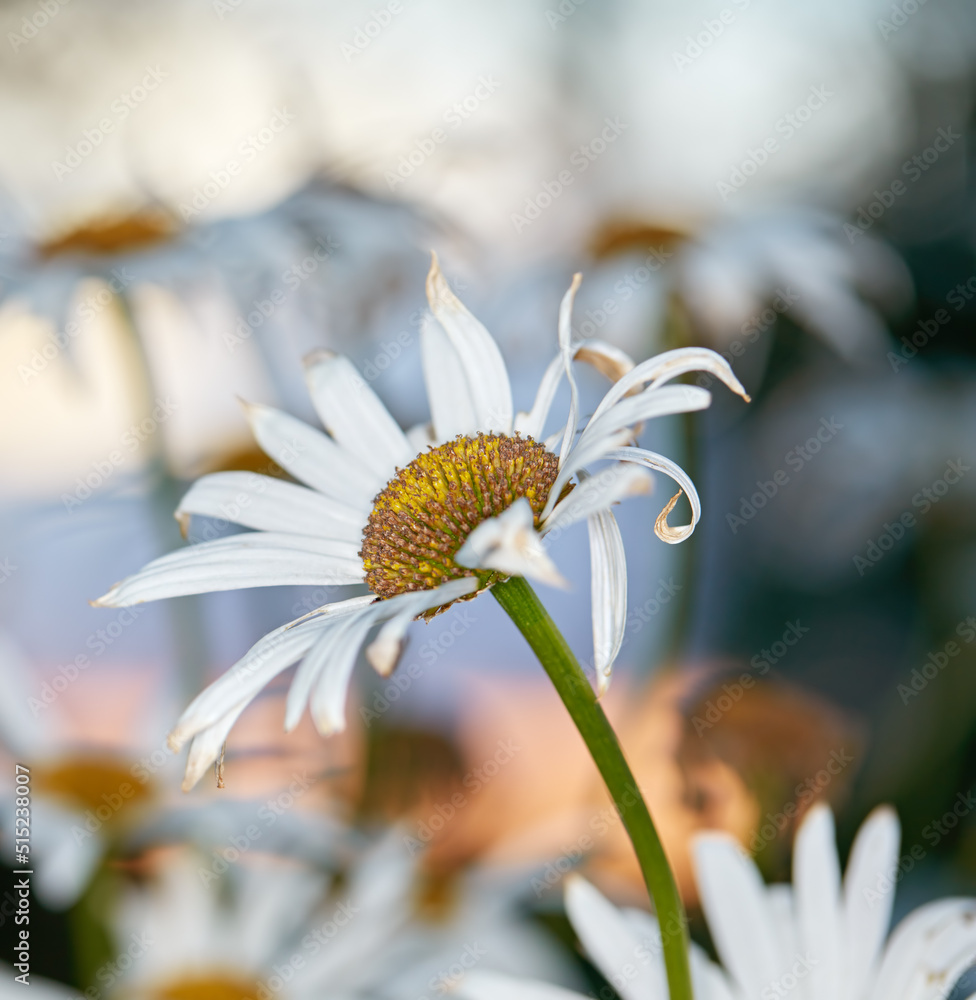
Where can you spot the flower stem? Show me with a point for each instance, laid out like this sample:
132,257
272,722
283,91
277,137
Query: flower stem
525,609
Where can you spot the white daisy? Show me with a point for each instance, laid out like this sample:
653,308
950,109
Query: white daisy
271,927
820,939
424,518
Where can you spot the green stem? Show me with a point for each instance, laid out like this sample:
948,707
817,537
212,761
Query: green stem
533,621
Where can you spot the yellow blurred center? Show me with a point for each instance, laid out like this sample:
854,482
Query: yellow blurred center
219,986
101,784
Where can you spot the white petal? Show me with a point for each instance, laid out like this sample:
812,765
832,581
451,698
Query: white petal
384,651
264,660
326,669
478,353
313,457
652,460
598,492
614,428
739,918
566,353
452,406
646,405
353,414
866,918
481,985
612,945
328,700
669,365
510,544
608,572
606,358
252,559
533,423
420,437
929,949
206,746
816,890
580,457
310,669
269,504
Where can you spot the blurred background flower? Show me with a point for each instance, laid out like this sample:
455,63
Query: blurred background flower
193,195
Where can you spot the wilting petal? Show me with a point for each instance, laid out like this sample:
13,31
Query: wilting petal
477,353
669,365
566,353
598,492
608,586
510,544
205,747
452,405
384,651
651,460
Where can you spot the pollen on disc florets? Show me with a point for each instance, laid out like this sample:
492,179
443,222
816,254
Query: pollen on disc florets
430,507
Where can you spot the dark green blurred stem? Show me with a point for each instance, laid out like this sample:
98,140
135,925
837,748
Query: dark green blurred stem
525,609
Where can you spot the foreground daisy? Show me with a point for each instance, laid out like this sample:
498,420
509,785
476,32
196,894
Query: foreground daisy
424,518
819,939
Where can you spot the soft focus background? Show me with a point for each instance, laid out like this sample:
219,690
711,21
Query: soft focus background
195,194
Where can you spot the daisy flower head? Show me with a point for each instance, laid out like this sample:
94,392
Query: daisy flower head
426,517
821,938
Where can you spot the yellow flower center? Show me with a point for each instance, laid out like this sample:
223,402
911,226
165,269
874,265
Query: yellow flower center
428,509
97,783
217,986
